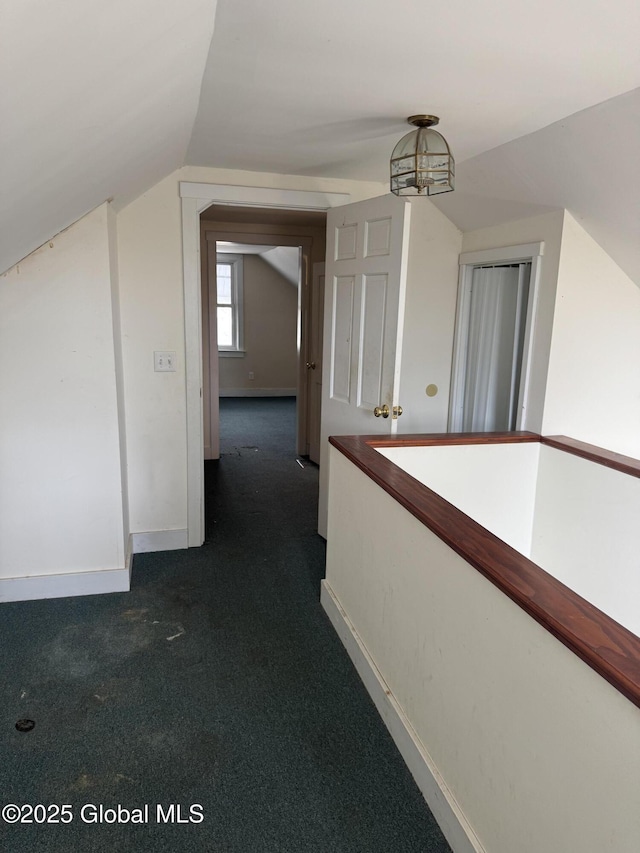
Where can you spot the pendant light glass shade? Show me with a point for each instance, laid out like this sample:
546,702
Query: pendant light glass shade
422,163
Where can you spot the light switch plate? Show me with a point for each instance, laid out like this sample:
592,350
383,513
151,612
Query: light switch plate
164,362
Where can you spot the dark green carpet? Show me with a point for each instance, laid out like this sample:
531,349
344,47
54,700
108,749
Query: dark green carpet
217,680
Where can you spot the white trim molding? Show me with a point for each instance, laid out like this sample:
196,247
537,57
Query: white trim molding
444,807
262,196
523,252
128,559
160,540
197,197
65,585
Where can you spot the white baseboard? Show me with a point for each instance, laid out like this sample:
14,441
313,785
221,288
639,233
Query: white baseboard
62,586
160,540
128,557
439,798
257,392
92,583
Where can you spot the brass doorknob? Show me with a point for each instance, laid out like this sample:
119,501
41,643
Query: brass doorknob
311,365
397,411
381,411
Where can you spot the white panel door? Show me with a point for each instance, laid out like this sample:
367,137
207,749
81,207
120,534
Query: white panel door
366,271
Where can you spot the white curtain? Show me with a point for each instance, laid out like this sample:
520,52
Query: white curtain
494,349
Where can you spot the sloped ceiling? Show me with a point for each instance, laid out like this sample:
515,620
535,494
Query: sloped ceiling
325,88
103,100
533,101
588,163
97,100
284,259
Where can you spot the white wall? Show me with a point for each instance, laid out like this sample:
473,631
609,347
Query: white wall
270,331
532,749
119,368
152,317
546,228
151,294
574,518
586,532
593,390
61,508
494,484
432,277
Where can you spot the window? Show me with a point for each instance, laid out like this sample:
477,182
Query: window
229,304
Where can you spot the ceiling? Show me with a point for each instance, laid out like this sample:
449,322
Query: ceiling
284,259
587,163
97,101
225,248
317,89
325,88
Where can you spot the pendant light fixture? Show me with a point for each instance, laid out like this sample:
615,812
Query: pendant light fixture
422,163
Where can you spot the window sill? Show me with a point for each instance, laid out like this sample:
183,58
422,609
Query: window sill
231,353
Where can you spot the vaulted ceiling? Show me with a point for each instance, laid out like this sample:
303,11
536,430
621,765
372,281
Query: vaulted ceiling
103,100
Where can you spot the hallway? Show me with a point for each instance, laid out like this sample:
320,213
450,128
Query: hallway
217,681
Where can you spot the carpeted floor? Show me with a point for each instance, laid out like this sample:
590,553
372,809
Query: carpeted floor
216,681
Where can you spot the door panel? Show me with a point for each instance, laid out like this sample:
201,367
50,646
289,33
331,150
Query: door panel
371,356
346,239
377,237
367,247
341,343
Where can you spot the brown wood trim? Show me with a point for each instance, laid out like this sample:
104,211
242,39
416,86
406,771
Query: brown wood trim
606,646
442,438
626,464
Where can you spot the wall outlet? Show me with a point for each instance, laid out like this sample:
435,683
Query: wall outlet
164,362
251,375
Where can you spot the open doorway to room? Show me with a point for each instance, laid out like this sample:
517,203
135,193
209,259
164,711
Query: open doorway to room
261,320
196,199
494,337
253,298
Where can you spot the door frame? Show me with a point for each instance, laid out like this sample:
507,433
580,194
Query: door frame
196,197
526,253
314,352
213,233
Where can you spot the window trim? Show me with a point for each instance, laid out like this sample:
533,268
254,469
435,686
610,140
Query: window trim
237,304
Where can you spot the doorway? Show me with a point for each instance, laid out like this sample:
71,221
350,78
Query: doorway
272,350
255,426
494,333
195,198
